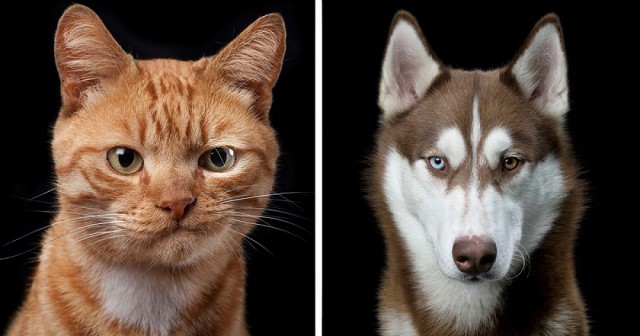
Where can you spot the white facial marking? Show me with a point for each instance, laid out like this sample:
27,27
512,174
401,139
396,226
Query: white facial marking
396,322
451,143
472,219
541,191
423,211
143,298
475,132
497,141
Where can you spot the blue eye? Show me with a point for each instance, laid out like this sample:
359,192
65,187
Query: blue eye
437,162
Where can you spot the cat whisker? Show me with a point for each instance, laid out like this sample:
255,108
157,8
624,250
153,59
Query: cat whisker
271,209
19,254
50,225
242,198
93,210
29,250
242,186
55,211
34,198
251,224
280,194
107,238
98,234
287,200
273,218
70,232
79,230
252,241
26,235
94,225
264,224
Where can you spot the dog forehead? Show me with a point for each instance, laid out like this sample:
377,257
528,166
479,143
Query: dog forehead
457,118
474,121
481,150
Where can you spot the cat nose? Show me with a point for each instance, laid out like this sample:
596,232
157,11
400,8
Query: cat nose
178,207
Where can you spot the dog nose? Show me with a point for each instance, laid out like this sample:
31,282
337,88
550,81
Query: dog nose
474,254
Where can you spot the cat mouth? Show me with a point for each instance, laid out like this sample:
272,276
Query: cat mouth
181,229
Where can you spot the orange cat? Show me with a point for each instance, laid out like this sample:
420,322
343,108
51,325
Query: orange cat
163,167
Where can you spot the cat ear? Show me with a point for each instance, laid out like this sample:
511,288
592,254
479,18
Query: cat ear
85,54
409,66
253,60
540,68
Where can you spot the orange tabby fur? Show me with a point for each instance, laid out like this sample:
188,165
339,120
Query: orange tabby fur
119,259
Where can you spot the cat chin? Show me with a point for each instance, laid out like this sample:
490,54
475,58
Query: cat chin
188,247
181,248
178,249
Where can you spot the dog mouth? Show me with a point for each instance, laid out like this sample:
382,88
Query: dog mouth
476,279
470,278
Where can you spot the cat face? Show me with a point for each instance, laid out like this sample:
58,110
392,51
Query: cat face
163,161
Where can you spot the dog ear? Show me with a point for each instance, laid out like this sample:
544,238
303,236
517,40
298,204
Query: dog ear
540,68
409,66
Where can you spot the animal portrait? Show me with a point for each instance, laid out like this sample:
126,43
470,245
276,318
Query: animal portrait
165,177
476,189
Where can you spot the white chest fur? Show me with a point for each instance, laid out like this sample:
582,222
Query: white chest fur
147,299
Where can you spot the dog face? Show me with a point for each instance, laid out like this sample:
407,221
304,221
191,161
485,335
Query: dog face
471,161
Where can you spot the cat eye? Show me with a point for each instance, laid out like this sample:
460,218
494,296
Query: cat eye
437,162
510,163
219,159
124,160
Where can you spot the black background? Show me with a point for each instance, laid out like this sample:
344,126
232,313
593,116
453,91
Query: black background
601,44
281,281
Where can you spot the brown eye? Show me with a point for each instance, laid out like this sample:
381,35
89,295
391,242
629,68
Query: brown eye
124,160
219,159
510,163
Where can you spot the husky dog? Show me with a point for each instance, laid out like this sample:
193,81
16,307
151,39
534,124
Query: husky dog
476,190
